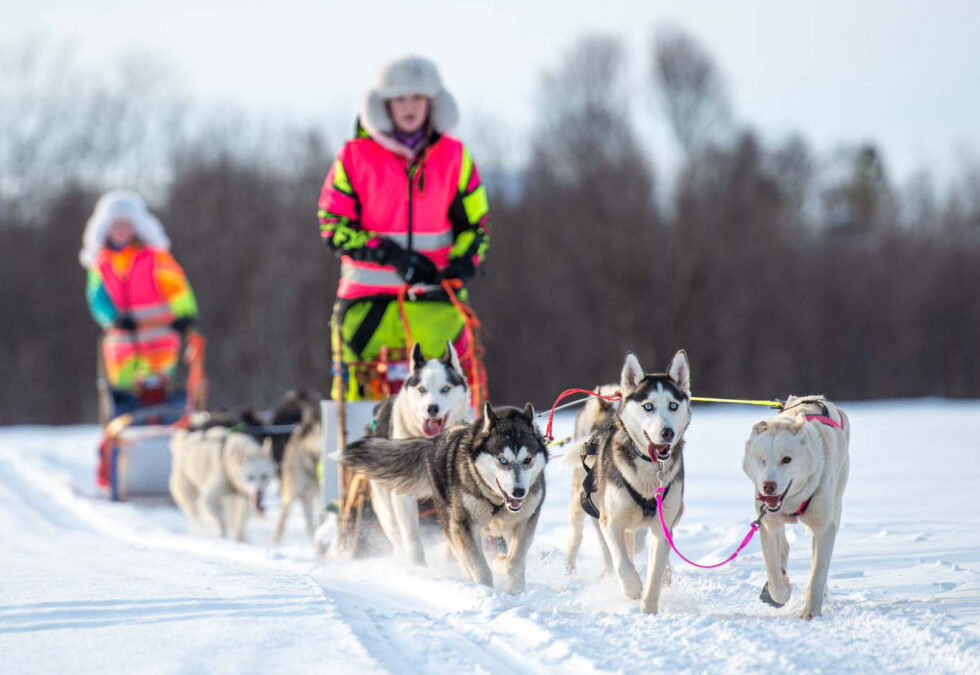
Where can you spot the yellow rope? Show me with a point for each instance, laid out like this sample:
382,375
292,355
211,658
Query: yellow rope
772,404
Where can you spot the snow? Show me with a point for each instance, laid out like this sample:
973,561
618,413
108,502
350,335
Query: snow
94,586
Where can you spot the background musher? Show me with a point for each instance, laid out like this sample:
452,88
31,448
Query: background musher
402,204
141,299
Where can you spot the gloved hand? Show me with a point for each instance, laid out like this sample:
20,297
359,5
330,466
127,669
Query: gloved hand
458,268
412,266
124,322
181,324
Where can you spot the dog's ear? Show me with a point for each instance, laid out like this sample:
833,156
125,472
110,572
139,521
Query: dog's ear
236,449
418,359
798,423
529,412
451,357
760,427
631,375
489,419
680,371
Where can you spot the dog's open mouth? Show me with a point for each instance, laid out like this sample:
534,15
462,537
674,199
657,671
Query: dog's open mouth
773,502
658,452
259,506
513,503
433,426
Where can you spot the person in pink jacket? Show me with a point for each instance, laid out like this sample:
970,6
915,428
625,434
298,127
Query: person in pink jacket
402,204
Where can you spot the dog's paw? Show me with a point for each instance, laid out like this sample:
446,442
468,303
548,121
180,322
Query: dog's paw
769,600
648,607
629,582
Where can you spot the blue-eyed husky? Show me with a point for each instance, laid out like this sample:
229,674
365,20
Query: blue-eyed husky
632,447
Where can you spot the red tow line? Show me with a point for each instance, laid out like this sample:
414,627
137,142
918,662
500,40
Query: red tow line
568,392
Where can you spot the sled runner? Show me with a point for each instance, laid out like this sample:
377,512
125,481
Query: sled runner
134,453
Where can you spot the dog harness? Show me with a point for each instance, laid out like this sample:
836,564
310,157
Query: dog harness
648,506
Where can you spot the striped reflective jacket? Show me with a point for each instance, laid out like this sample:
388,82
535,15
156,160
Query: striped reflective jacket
435,205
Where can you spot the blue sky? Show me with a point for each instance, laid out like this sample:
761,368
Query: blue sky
902,73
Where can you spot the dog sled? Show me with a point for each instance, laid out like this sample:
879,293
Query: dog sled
134,451
346,420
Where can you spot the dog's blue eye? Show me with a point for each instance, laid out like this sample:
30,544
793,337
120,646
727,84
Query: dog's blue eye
673,405
503,461
648,407
445,389
422,390
786,460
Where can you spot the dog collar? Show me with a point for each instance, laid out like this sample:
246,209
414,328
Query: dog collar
802,509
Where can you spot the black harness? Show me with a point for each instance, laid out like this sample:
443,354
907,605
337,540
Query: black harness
648,506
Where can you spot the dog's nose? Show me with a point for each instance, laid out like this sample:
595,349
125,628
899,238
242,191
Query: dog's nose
433,410
519,492
769,487
667,434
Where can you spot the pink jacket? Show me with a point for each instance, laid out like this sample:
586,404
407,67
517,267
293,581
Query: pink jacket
434,204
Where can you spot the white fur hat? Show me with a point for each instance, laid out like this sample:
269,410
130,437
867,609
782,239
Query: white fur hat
115,205
403,77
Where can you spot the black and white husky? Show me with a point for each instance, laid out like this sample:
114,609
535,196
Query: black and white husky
485,476
433,398
636,448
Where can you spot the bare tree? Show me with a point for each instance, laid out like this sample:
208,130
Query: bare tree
690,89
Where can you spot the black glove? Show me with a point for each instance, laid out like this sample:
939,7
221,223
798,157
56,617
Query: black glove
125,322
412,266
458,268
181,324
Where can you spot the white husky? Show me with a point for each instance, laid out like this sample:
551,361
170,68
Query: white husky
434,398
215,466
798,462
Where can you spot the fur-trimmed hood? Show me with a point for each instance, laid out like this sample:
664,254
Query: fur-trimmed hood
402,77
114,205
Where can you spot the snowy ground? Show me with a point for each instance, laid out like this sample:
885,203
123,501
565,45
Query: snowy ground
93,586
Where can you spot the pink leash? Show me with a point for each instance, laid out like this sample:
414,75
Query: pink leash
670,540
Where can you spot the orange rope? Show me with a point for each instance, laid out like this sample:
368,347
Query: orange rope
471,324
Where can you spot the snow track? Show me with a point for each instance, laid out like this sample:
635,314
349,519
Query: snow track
92,586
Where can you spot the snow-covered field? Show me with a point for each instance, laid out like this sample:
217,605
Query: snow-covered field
92,586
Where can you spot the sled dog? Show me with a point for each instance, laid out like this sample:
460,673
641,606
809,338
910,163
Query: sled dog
434,398
300,458
798,464
488,475
214,466
635,444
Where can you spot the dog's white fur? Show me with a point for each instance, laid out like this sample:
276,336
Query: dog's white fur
398,511
806,460
216,475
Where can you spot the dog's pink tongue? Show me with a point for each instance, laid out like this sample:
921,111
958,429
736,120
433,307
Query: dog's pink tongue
653,449
432,426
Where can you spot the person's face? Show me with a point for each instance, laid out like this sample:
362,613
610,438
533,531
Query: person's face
120,232
408,112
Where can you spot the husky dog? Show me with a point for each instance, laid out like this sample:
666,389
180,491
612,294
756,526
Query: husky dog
488,475
216,465
798,463
433,398
300,457
638,449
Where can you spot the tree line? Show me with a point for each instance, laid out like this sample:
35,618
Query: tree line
777,270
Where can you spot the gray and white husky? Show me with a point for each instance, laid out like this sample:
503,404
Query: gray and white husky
634,447
216,476
433,398
798,464
485,476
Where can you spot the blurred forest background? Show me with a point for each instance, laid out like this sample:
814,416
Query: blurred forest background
778,270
